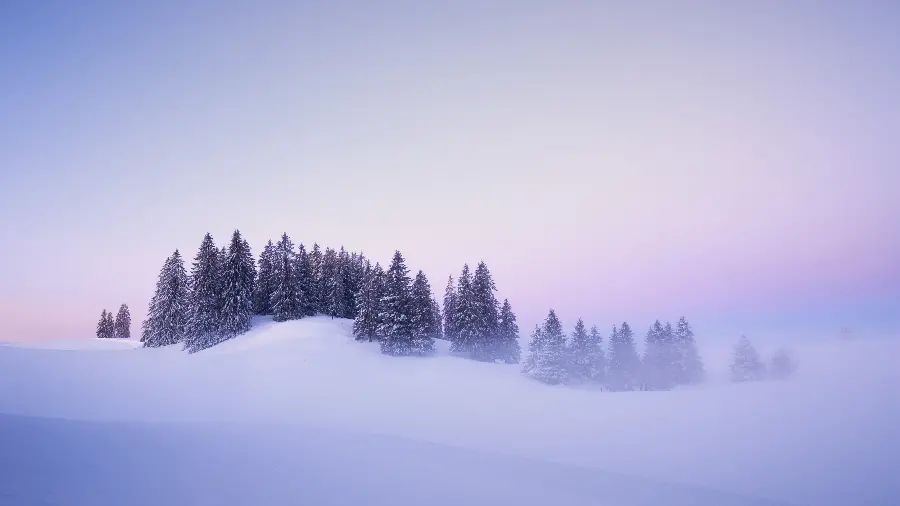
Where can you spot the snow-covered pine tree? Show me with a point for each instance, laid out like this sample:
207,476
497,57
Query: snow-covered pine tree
110,326
101,326
486,310
203,325
745,363
579,354
507,344
547,358
623,362
347,267
305,282
655,371
689,369
286,302
465,316
237,289
422,315
334,285
449,311
168,312
596,357
395,326
437,326
365,325
316,262
353,283
123,322
264,287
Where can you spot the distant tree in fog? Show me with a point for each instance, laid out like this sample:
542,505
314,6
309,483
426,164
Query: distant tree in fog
691,368
745,362
782,364
507,346
123,322
623,363
546,360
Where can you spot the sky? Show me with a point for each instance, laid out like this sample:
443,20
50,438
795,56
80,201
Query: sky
734,162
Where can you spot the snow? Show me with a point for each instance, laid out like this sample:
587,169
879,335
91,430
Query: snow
299,412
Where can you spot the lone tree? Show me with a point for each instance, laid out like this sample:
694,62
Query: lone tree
168,311
123,322
745,362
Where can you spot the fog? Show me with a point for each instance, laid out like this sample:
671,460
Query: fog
298,411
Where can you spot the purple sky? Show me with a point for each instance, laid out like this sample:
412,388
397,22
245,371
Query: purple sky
736,162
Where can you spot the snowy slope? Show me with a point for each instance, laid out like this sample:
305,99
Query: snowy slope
823,438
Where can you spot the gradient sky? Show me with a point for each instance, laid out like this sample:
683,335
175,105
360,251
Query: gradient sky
737,162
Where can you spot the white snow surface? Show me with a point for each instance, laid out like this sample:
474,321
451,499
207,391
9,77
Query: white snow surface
299,413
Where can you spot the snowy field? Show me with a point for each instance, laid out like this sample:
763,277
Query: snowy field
299,413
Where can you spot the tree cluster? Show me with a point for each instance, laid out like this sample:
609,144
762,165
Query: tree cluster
475,323
747,365
118,327
670,357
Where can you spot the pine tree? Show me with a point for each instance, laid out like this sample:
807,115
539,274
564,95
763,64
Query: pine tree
205,298
264,287
450,333
437,325
745,363
168,312
486,315
353,282
102,327
465,323
422,315
395,326
547,359
286,301
690,368
596,357
123,323
623,366
237,288
507,343
579,354
657,362
334,285
305,281
365,325
316,261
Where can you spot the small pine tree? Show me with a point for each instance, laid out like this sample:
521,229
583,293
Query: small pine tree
264,287
316,262
123,323
507,343
203,326
782,365
579,354
422,315
547,358
596,373
365,325
168,312
449,311
237,288
395,325
690,370
286,302
623,365
745,362
101,326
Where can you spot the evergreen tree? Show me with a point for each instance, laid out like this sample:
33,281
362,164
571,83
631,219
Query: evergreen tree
365,325
123,322
437,325
203,325
102,326
690,366
450,333
305,282
623,364
286,302
745,363
395,325
316,261
422,315
465,317
350,268
596,357
486,315
547,357
237,288
579,354
782,365
168,312
661,364
334,285
264,286
507,343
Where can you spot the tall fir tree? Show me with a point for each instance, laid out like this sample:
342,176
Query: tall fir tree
623,362
437,325
237,288
596,357
745,362
465,318
547,358
395,326
365,325
579,360
203,326
286,302
486,315
305,281
168,312
123,322
422,315
264,286
335,299
354,275
450,311
690,365
507,342
316,262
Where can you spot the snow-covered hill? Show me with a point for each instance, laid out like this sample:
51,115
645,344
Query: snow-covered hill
437,425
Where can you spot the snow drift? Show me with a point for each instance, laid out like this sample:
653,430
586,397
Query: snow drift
302,398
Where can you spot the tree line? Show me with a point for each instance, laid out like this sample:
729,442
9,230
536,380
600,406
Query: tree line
747,365
115,328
